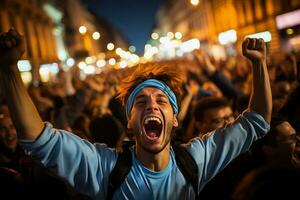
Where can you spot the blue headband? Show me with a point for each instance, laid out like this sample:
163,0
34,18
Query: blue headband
152,83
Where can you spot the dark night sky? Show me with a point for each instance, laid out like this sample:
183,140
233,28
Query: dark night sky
134,18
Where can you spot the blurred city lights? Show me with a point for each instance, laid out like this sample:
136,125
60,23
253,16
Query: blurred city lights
24,66
89,69
119,51
96,35
82,29
123,64
164,40
90,60
178,35
101,63
70,62
266,36
81,65
112,61
110,46
190,45
228,37
194,2
132,48
170,35
289,31
46,70
147,46
288,19
134,58
154,36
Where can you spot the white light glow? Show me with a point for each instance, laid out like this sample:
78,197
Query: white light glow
96,35
82,29
70,62
132,48
170,35
26,77
178,35
190,45
112,61
154,36
288,19
24,66
89,69
81,65
101,63
110,46
266,36
123,64
48,70
194,2
228,37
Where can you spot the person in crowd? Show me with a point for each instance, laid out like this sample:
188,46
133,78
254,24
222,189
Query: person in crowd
269,182
210,113
101,125
23,177
280,147
10,152
151,96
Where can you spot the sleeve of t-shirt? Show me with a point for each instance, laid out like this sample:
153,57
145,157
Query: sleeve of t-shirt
84,165
223,145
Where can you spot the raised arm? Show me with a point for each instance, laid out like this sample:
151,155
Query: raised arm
261,97
22,110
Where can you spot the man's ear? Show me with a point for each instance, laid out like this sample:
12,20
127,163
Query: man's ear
175,121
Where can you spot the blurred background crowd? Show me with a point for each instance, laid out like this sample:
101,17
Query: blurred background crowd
75,61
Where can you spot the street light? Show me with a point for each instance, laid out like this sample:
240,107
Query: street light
110,46
194,2
96,35
82,29
154,36
178,35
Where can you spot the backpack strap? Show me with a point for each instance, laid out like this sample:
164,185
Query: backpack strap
184,161
187,165
120,171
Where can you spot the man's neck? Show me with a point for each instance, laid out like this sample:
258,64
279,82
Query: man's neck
154,162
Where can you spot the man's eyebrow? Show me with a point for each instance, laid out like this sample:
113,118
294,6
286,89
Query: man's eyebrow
140,96
161,95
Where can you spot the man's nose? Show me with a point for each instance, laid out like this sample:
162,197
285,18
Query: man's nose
152,104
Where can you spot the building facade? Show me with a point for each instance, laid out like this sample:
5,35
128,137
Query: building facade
212,19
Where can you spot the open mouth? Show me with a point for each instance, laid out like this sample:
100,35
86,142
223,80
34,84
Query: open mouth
152,127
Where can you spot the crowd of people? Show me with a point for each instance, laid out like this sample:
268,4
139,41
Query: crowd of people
238,118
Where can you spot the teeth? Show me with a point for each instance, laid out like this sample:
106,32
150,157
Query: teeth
152,119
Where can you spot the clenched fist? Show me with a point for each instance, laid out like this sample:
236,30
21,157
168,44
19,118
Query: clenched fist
254,49
11,48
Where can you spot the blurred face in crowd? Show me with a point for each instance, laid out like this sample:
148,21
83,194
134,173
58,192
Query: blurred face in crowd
287,149
288,144
152,119
215,118
8,134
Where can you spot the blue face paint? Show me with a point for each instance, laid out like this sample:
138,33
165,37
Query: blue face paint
156,84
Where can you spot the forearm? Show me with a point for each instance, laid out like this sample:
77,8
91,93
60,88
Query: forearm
261,97
23,112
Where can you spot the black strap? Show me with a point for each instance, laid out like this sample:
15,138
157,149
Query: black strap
184,160
187,165
120,171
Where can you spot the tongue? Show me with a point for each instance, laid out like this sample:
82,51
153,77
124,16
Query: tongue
152,133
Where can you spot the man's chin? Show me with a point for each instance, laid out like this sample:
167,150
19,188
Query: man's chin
153,149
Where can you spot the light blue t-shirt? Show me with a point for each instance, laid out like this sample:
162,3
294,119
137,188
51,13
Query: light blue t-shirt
87,166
